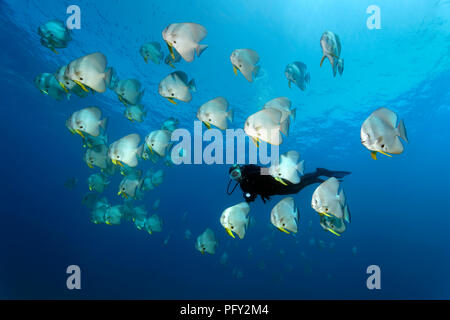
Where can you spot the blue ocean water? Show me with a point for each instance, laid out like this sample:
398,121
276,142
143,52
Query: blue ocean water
399,205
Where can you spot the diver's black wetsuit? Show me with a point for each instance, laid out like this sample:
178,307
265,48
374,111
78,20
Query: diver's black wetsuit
253,183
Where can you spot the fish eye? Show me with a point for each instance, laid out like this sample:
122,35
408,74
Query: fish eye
232,227
81,127
174,41
81,78
326,209
382,145
67,82
279,173
117,156
173,94
240,66
284,224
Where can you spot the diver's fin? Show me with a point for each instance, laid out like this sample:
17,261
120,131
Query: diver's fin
328,173
340,174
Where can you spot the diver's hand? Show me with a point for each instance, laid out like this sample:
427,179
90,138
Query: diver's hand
249,197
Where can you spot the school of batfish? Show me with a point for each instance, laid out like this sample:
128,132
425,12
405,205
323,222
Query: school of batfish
380,132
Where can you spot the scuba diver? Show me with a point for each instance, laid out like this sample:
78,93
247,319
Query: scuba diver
254,182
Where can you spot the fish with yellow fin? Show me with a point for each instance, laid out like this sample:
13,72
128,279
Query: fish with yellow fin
129,187
331,48
97,182
215,112
206,242
333,224
158,142
184,38
235,219
288,168
245,61
97,156
151,51
153,224
87,121
48,85
126,150
176,86
90,72
129,91
54,35
284,216
266,125
380,133
330,200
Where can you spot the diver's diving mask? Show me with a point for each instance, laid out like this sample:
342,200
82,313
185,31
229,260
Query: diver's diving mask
235,172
